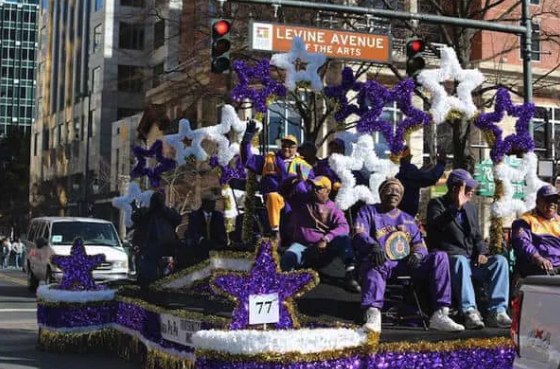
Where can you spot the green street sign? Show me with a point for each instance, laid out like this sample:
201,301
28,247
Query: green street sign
485,176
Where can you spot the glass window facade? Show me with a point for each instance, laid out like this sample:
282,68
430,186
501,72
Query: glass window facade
18,48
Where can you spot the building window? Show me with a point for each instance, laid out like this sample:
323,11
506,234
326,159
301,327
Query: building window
124,113
159,33
158,72
97,38
130,78
35,140
283,119
45,5
96,79
131,36
135,3
534,2
98,5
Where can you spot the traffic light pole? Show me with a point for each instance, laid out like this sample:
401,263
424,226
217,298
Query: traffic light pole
524,30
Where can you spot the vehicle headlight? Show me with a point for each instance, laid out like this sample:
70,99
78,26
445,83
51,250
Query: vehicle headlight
121,264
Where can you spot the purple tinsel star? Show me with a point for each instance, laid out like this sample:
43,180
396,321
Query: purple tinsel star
141,167
264,278
228,173
379,97
260,71
340,94
78,267
521,140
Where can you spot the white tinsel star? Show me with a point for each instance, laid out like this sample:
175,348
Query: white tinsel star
124,203
182,150
288,61
450,70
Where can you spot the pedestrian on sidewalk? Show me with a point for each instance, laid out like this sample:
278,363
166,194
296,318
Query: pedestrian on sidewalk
17,249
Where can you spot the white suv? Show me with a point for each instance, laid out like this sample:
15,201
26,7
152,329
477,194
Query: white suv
49,236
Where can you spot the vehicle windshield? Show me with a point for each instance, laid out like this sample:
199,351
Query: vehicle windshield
103,234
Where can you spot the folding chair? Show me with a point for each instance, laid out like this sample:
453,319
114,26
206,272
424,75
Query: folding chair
404,283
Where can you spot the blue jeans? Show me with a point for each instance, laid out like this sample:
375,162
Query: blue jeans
495,273
298,255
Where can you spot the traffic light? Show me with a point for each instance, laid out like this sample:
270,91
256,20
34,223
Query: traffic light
414,60
221,45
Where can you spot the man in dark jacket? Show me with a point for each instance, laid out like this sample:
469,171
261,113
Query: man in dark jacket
206,230
414,179
453,227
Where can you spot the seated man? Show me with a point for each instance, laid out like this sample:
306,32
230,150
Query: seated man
388,243
206,230
536,236
453,228
319,229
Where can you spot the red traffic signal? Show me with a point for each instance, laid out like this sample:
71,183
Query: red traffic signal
415,62
221,27
416,46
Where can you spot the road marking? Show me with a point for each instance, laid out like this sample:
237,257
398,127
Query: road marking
13,280
17,310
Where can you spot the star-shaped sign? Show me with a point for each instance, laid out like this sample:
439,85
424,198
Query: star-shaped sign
288,61
78,267
340,94
124,203
141,167
264,278
450,70
379,97
518,142
258,97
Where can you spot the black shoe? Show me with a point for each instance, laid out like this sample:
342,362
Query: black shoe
350,283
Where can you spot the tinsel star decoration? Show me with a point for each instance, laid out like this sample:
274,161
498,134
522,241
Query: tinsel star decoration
299,55
186,142
141,167
78,267
261,72
227,173
451,70
515,143
372,120
264,278
133,194
339,93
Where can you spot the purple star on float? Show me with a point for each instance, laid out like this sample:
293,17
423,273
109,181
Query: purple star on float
141,167
260,71
264,278
340,94
226,172
518,142
378,97
78,267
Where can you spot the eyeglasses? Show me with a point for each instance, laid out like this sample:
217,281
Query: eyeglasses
288,145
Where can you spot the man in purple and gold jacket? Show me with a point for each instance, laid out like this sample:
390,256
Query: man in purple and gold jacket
274,169
536,236
320,230
388,243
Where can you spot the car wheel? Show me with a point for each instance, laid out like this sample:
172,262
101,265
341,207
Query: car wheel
32,281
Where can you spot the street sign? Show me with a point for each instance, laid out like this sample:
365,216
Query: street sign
485,176
332,43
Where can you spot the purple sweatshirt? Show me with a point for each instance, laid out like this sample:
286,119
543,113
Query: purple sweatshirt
379,226
313,220
532,234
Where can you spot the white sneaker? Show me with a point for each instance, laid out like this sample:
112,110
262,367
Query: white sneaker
440,321
499,320
473,320
373,320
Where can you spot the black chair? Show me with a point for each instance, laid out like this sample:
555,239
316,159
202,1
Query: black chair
396,297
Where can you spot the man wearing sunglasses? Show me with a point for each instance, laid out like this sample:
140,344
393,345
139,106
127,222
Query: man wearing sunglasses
536,236
453,228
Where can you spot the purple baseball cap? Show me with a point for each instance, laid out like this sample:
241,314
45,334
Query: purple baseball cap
547,191
460,176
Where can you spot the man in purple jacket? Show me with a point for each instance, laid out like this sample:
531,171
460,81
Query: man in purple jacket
320,229
274,169
536,236
388,243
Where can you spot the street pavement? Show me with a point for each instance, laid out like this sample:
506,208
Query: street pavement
18,333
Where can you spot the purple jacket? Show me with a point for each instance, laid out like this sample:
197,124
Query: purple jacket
255,163
378,228
313,220
532,234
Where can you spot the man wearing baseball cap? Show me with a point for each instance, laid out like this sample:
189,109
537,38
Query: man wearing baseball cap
320,230
453,227
274,169
536,236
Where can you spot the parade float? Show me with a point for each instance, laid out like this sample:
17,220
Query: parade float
236,309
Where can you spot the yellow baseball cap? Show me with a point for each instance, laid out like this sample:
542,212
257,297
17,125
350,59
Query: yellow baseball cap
291,138
322,181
